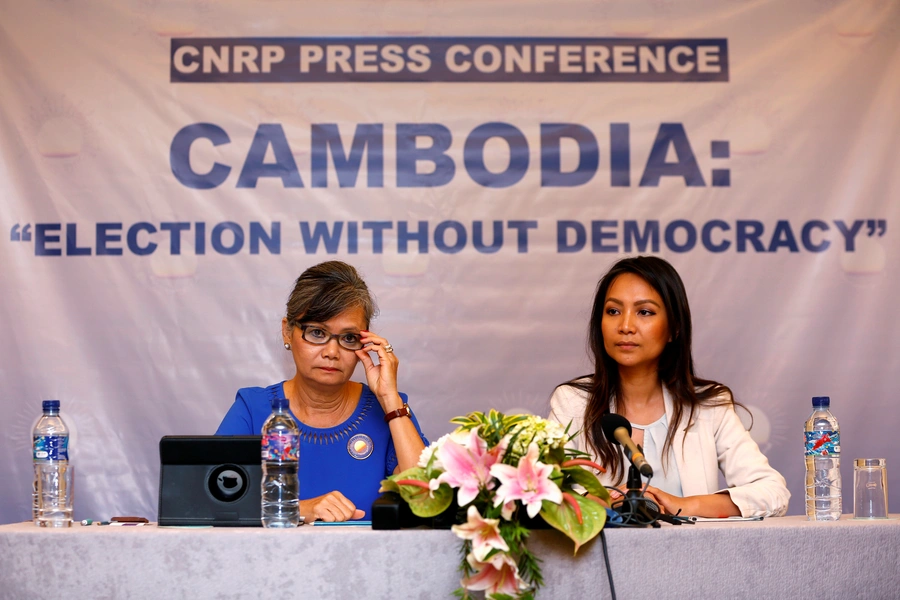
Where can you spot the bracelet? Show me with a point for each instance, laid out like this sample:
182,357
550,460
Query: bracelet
400,412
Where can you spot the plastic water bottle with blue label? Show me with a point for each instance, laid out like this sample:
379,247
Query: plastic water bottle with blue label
823,463
52,493
280,463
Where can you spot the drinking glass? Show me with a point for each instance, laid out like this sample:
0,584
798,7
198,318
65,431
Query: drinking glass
870,490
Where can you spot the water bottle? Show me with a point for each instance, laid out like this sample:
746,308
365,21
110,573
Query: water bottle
280,454
52,494
823,463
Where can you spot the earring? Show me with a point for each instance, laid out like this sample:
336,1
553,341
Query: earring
287,346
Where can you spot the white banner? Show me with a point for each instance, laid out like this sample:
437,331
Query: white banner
170,167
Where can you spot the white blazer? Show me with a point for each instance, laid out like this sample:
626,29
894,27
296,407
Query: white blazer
714,440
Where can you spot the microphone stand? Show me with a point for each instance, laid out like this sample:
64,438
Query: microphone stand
643,507
634,502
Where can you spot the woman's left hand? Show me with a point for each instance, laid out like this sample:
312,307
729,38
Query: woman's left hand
706,505
382,377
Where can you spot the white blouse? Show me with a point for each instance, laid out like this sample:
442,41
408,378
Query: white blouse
665,472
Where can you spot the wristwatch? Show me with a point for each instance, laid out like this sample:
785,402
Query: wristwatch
400,412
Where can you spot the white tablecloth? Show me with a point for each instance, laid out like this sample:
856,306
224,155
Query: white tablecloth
788,557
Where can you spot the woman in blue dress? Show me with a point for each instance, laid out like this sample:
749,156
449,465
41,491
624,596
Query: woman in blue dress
352,435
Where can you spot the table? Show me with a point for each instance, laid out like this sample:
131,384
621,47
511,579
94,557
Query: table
786,557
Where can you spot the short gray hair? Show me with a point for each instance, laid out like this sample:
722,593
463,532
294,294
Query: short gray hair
326,290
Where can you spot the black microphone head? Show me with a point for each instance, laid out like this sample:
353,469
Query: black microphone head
609,422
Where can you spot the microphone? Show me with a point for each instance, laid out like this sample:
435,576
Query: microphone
617,429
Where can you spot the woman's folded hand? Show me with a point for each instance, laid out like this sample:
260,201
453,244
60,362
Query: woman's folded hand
333,506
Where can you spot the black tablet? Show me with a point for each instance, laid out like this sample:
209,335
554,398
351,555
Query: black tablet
210,480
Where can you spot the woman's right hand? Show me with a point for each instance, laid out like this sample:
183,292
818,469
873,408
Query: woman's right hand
331,507
619,493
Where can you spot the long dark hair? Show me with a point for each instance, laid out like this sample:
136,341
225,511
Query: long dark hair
676,364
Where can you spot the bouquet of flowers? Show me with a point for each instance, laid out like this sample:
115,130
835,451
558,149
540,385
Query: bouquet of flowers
499,468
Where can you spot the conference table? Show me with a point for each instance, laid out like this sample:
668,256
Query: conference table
786,557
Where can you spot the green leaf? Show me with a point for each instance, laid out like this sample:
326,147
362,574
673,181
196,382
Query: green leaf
413,473
388,485
420,501
515,420
555,456
423,504
530,568
562,517
588,481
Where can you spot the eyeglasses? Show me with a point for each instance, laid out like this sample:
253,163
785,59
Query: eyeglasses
318,336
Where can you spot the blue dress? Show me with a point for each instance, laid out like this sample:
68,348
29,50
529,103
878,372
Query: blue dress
352,457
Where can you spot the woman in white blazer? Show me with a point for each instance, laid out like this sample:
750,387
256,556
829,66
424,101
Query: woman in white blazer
640,338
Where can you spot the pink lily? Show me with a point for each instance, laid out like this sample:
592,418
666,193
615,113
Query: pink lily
467,467
484,533
429,452
497,576
508,509
529,482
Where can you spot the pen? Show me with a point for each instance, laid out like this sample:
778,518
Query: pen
343,523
